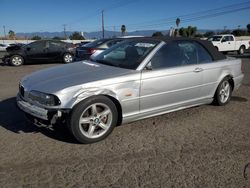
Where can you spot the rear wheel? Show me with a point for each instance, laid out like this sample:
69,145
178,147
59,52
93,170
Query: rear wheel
67,58
241,50
223,92
16,60
93,119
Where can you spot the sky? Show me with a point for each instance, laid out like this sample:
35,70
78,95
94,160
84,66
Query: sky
85,15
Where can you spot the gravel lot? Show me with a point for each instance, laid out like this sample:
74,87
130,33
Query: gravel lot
206,146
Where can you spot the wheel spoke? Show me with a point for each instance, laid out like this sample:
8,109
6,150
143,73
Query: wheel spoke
105,113
94,109
226,87
91,130
85,120
103,125
222,98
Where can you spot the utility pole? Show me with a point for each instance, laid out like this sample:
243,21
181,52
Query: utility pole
4,32
64,30
102,24
114,31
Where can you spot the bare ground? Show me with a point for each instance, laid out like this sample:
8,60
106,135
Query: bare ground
205,146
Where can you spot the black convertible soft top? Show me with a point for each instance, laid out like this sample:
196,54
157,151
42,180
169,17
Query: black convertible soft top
216,55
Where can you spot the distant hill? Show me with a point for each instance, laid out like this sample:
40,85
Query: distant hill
97,34
88,35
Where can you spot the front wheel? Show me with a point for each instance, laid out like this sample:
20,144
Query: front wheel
93,119
67,58
16,60
223,92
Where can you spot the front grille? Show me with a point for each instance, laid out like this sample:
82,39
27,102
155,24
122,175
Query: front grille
21,89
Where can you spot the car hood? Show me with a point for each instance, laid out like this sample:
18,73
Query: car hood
57,78
14,48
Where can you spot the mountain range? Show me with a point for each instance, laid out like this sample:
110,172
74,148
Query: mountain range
95,34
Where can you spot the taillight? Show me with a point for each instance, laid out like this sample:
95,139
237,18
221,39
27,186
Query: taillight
91,50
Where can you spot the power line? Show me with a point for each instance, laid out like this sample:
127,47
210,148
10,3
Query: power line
193,16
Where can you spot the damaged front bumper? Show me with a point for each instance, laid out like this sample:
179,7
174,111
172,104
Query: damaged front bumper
42,117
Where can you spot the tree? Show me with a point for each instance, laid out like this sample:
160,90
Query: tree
248,28
157,34
36,37
238,32
209,34
58,38
76,36
225,32
123,30
12,34
177,22
187,32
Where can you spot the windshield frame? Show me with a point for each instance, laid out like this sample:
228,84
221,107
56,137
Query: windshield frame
142,61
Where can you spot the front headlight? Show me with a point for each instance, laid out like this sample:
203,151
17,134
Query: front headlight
44,98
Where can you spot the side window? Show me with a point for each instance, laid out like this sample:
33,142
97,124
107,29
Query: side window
203,55
37,45
189,52
54,45
175,54
231,38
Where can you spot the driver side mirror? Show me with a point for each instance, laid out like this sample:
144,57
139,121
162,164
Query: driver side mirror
28,48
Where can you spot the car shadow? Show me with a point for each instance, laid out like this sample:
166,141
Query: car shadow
12,119
238,99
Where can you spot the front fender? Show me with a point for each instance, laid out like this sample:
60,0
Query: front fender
86,93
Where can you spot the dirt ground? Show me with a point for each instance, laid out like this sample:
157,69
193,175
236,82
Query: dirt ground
205,146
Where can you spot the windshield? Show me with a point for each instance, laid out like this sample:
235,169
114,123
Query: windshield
95,43
128,54
215,38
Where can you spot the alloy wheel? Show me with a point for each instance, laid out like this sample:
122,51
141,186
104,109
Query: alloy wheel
95,120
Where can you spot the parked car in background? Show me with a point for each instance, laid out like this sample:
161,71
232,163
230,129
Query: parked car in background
3,47
137,78
228,43
82,43
40,51
14,46
95,48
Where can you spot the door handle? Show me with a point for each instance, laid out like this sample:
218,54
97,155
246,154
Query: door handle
198,69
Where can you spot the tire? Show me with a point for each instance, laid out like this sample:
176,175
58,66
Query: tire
93,119
16,60
241,50
223,93
67,58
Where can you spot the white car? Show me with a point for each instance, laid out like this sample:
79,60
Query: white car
228,43
3,47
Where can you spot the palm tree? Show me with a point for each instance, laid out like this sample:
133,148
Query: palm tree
177,22
11,34
248,28
123,29
176,31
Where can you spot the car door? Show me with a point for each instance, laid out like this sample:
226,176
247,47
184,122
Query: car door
36,51
54,50
227,43
171,79
211,71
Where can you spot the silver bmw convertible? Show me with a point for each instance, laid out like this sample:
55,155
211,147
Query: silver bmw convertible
135,79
